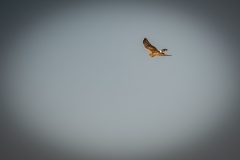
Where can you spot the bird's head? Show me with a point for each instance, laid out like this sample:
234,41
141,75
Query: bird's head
164,49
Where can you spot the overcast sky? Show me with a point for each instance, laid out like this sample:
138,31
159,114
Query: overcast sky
79,79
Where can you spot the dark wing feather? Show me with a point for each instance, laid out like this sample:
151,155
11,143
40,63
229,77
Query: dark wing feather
148,46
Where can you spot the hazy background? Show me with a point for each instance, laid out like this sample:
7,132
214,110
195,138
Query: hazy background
77,83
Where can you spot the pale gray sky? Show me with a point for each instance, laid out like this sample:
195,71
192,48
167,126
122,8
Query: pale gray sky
81,80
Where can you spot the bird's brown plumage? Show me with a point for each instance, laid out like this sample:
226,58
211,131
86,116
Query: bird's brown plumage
148,46
153,50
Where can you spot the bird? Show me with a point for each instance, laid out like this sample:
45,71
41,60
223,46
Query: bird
153,50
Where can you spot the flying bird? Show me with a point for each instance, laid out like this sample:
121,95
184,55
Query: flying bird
153,50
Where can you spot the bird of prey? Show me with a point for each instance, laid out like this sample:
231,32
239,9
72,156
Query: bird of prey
153,50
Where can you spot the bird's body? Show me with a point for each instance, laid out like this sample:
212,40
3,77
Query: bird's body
153,50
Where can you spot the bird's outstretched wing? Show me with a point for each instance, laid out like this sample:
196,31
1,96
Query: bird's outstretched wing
148,46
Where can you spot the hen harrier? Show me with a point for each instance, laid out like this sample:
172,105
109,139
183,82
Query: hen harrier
153,50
